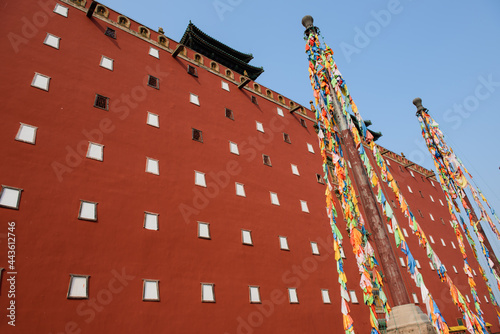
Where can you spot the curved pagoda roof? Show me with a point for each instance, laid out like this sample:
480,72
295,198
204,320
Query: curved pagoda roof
237,61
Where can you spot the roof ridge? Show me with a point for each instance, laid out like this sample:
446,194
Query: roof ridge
245,57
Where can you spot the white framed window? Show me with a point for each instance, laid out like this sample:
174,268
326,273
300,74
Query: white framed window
225,85
240,189
325,295
387,162
441,202
233,148
432,217
95,151
259,126
411,173
151,221
342,254
349,164
41,81
415,298
432,239
106,62
432,198
283,243
303,206
150,290
310,148
295,169
353,297
417,264
455,269
409,189
78,287
292,296
194,99
389,228
474,272
402,261
88,211
467,297
405,233
61,10
486,299
26,133
280,112
246,237
314,248
52,40
443,243
274,198
153,120
431,265
154,52
152,166
199,179
10,197
254,294
432,184
203,230
453,245
207,292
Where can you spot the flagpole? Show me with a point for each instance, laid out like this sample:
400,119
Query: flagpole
404,313
496,265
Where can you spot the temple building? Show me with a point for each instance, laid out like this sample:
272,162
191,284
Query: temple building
156,186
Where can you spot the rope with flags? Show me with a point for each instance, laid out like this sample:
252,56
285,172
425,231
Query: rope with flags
452,171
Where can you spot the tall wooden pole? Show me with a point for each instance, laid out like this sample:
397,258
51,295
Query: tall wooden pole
405,317
390,265
496,265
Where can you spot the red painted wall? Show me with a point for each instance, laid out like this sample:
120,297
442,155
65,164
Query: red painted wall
116,251
438,229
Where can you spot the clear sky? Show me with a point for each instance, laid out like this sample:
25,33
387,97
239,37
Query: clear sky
388,51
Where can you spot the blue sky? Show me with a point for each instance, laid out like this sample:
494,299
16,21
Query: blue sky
389,52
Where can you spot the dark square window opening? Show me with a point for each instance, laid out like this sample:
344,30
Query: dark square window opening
320,179
267,160
192,70
400,168
110,33
393,204
254,100
197,135
229,114
153,82
303,123
101,102
286,138
421,195
420,213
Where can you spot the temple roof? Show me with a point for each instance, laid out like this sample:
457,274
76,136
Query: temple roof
237,61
